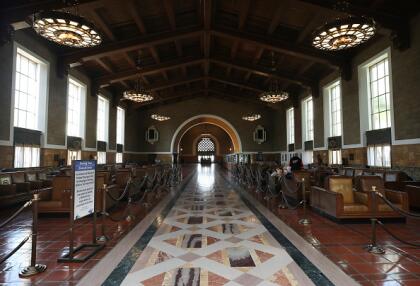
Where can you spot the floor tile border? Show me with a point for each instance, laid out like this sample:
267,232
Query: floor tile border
319,268
114,267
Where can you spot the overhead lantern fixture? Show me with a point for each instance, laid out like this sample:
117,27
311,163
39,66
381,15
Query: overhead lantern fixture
344,33
251,117
159,117
66,29
274,94
138,94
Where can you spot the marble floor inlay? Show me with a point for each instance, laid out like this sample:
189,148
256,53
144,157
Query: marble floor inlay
210,237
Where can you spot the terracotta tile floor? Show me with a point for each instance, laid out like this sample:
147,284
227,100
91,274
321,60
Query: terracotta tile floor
52,238
344,245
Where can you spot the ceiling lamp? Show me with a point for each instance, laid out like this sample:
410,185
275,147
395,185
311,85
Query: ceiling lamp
343,33
138,94
274,94
251,117
66,29
159,117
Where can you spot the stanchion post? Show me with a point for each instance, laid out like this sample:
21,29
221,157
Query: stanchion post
103,237
305,220
373,247
34,268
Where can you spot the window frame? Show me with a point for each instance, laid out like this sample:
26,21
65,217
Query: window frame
43,68
308,123
82,106
290,125
120,132
105,125
99,159
374,149
23,164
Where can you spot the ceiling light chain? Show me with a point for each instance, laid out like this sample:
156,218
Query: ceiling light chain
138,94
274,94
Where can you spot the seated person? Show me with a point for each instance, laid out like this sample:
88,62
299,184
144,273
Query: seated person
296,163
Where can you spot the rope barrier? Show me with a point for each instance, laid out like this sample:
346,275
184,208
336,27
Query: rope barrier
396,237
19,211
397,209
15,249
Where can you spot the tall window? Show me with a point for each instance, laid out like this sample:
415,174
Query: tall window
379,95
118,158
102,119
26,156
30,91
206,145
308,119
379,155
101,157
334,157
335,109
75,109
290,121
120,125
73,155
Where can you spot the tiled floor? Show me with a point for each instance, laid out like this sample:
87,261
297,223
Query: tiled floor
210,237
344,245
52,238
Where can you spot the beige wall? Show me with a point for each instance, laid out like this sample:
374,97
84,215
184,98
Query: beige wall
182,111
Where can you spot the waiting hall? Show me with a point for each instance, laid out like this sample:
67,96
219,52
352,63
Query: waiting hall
210,142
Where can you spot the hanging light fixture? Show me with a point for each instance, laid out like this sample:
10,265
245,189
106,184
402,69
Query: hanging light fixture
159,117
138,94
66,29
344,33
251,117
274,94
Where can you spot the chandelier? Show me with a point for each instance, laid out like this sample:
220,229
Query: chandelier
343,33
159,117
138,94
251,117
274,94
66,29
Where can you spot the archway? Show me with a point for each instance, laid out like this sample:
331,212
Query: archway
210,119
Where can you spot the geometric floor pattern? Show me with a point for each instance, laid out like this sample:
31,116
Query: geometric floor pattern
211,238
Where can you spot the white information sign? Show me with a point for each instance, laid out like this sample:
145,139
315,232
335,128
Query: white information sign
84,188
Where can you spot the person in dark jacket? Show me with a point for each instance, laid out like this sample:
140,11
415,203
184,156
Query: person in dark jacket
295,163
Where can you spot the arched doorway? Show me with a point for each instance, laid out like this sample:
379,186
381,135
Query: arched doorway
206,149
209,119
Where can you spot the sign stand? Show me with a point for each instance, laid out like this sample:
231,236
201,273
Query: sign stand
83,203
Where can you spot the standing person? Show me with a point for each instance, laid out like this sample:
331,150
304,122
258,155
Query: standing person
295,163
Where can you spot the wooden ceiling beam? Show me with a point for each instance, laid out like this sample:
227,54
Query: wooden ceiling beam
281,46
170,13
266,72
131,44
132,72
243,13
386,19
15,11
236,83
133,11
239,97
165,99
98,20
105,65
277,16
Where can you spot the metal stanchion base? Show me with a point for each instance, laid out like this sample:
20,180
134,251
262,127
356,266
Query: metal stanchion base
102,239
375,249
282,206
32,270
305,221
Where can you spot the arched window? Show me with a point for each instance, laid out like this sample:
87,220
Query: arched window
205,146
